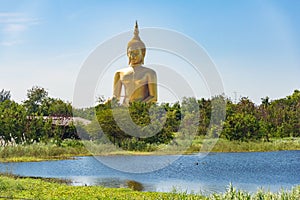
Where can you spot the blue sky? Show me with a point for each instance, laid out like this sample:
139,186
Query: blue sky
255,44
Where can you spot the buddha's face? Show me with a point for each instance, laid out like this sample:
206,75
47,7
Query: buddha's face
135,56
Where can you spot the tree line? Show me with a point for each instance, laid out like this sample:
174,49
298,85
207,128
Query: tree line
140,125
32,120
215,117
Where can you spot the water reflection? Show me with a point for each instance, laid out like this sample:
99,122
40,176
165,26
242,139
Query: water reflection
137,164
112,183
190,173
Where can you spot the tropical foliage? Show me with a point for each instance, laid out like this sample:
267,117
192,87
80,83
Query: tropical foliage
32,121
217,117
142,126
27,188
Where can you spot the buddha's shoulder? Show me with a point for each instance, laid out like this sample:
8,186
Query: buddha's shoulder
148,70
124,70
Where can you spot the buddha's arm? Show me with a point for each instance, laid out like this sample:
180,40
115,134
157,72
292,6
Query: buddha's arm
152,86
117,86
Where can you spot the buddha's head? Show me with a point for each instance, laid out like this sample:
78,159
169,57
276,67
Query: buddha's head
136,49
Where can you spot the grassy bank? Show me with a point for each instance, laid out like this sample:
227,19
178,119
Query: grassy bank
222,145
41,151
200,144
70,148
28,188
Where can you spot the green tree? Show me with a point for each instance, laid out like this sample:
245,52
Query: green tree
147,123
59,108
86,113
246,106
241,122
35,98
35,129
205,109
265,122
12,122
241,126
4,95
93,130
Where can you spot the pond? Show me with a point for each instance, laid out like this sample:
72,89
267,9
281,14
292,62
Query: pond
189,173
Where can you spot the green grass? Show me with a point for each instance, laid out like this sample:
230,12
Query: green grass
222,145
70,148
28,188
200,144
41,151
235,194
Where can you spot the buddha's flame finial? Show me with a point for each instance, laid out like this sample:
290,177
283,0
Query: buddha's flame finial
136,42
136,31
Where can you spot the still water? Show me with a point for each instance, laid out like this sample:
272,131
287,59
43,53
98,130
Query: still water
189,173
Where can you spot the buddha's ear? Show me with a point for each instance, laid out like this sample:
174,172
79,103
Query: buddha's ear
128,56
143,60
127,52
144,54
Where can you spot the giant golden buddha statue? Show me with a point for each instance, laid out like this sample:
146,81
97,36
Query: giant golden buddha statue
139,82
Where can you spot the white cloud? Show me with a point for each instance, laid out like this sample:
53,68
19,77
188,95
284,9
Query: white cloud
10,43
9,14
12,24
14,28
7,18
